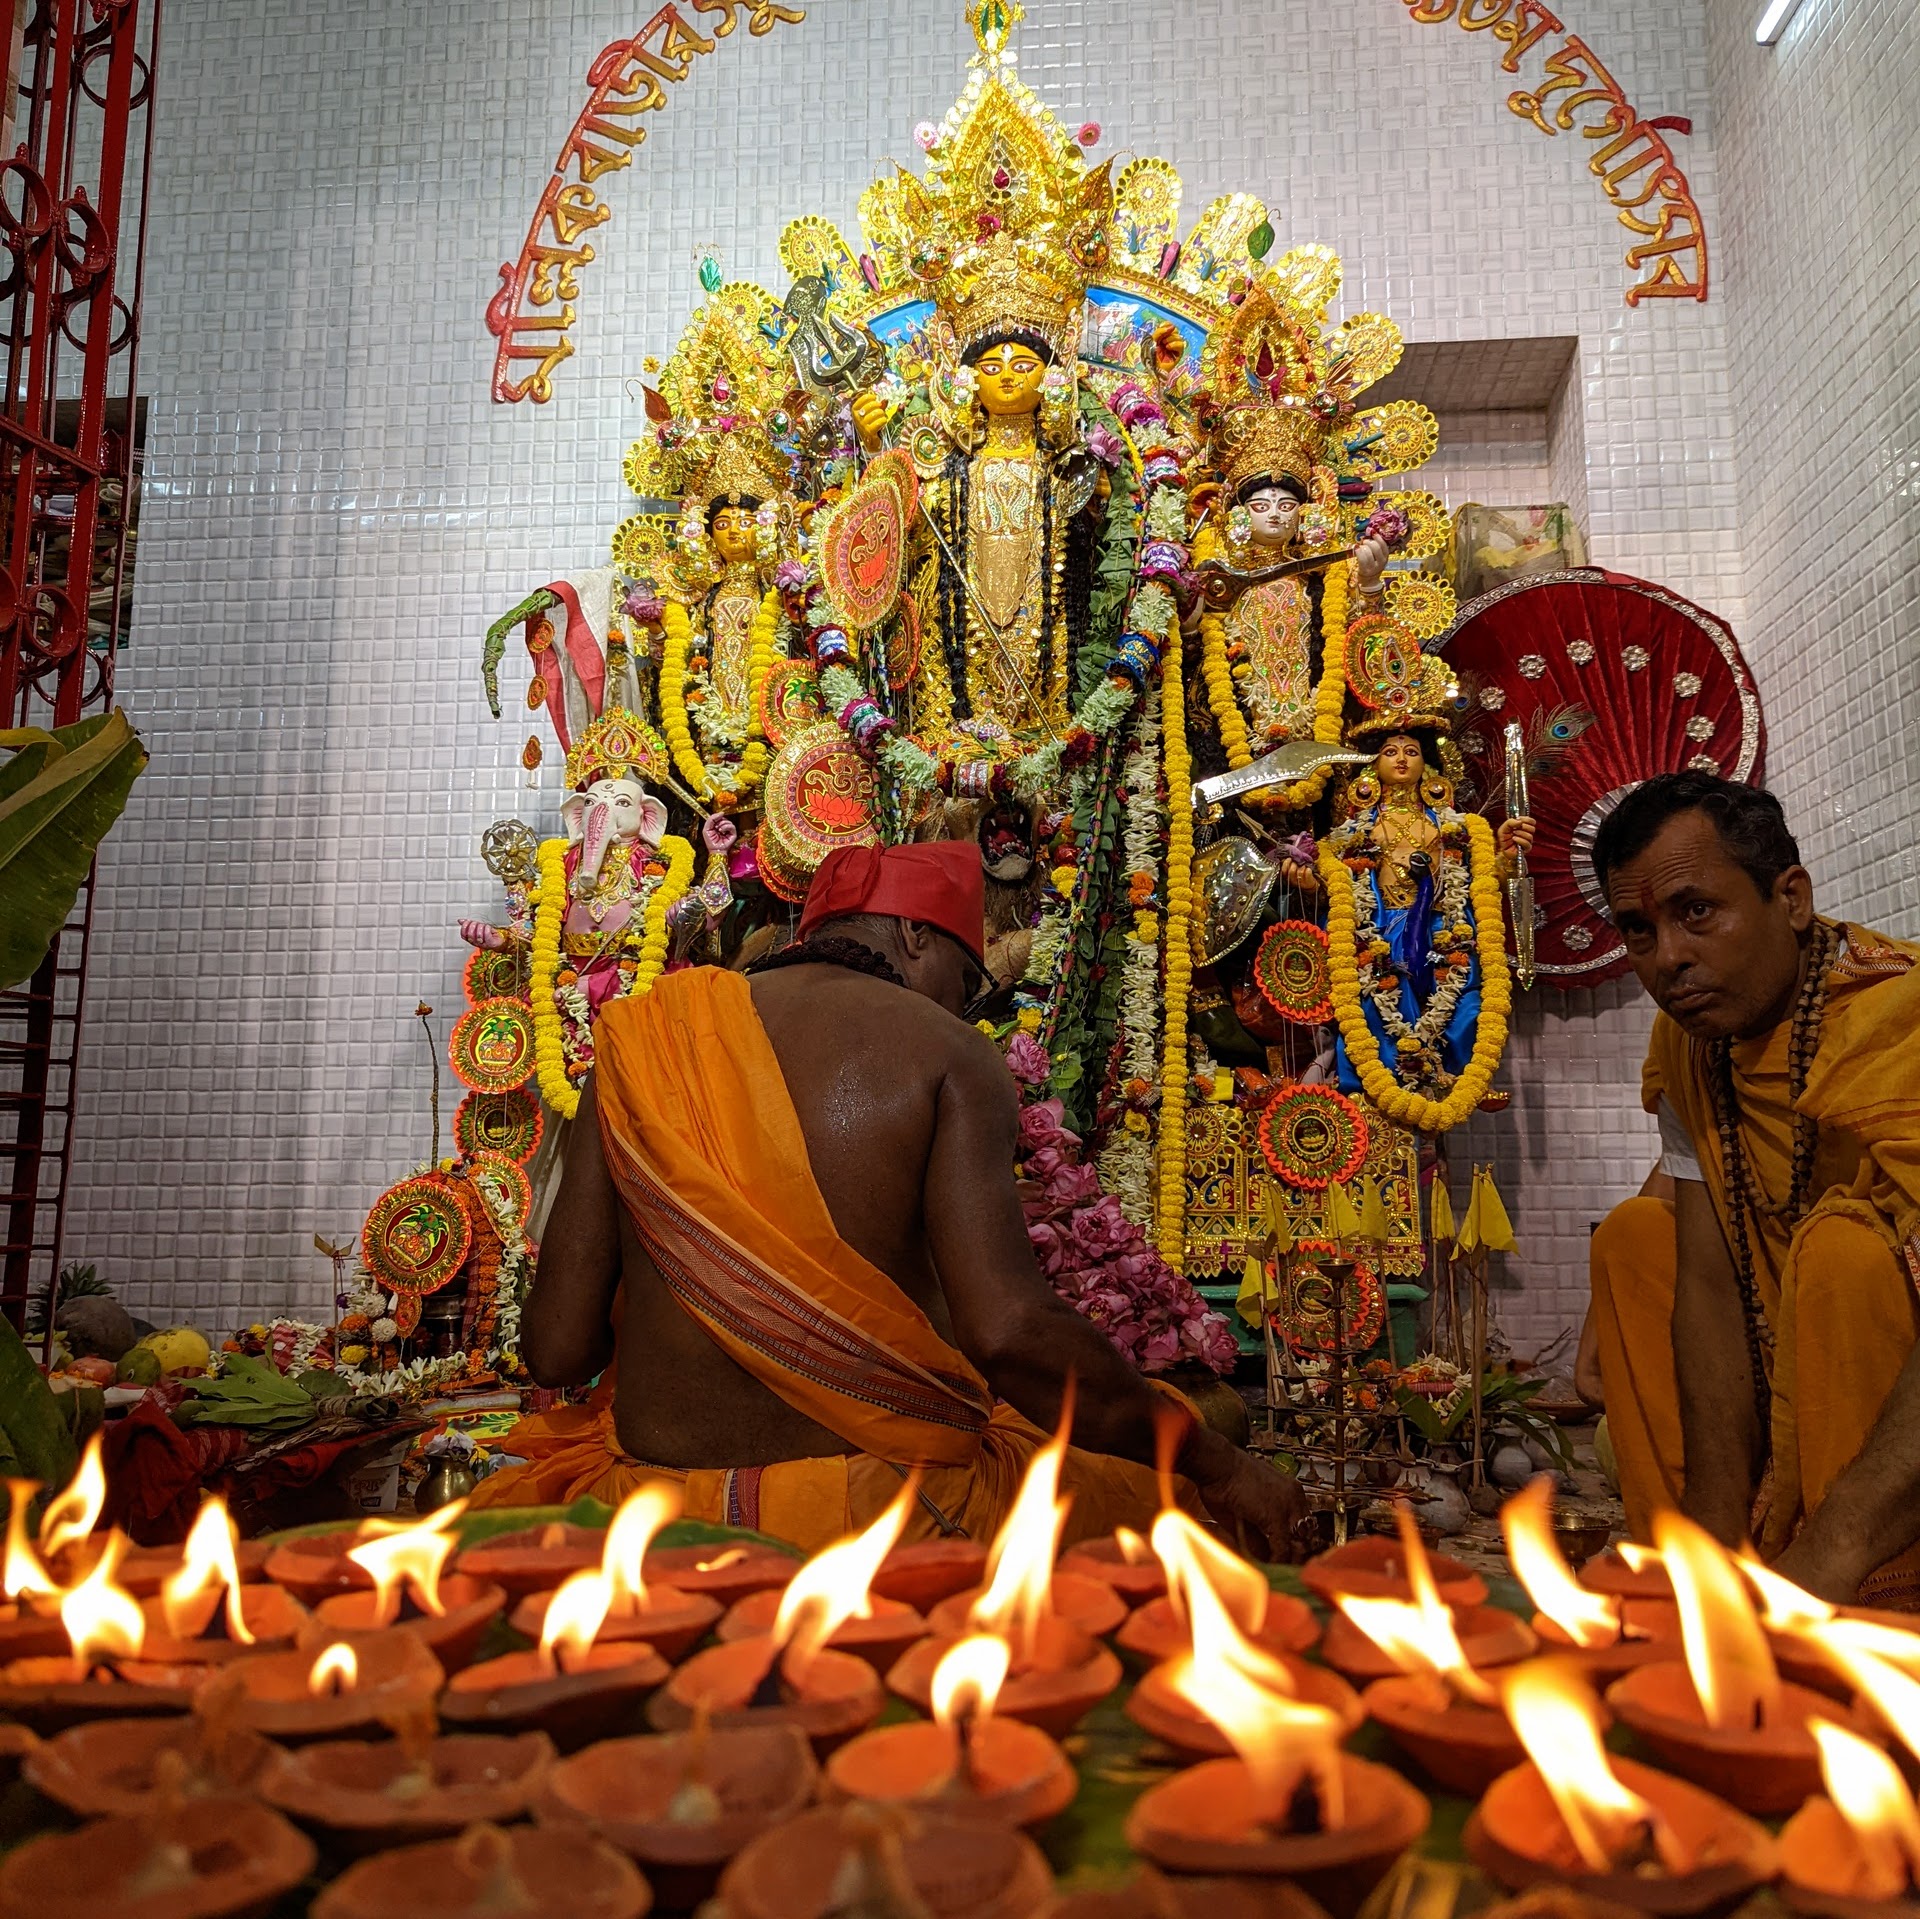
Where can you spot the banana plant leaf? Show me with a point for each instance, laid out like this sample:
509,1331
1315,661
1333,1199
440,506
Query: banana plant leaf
59,794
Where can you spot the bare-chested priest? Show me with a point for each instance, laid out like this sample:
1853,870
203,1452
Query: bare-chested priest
789,1231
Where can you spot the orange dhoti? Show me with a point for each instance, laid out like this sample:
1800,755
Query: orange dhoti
706,1152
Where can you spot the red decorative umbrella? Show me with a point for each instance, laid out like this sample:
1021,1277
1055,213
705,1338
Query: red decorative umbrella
1610,680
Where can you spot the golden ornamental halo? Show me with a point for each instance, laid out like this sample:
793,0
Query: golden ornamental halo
617,746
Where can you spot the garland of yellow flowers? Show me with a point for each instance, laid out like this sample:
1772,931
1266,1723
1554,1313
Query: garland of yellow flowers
1170,1214
1329,698
1406,1108
550,910
678,628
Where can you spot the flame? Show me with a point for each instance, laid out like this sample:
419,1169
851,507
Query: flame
209,1556
23,1577
1733,1672
968,1679
1587,1618
1133,1549
575,1613
1869,1794
1192,1556
1555,1715
1898,1647
635,1527
73,1514
731,1557
1418,1635
1019,1592
833,1586
1848,1645
103,1620
1636,1557
409,1560
1784,1606
335,1671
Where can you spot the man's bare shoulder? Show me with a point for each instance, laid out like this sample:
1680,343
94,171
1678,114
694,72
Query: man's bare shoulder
836,996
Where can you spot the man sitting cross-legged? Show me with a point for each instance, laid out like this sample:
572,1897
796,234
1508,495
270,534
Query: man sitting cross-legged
789,1231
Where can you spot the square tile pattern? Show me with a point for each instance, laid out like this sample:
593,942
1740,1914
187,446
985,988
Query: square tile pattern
334,510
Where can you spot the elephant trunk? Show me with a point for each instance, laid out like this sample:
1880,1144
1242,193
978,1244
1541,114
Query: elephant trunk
596,835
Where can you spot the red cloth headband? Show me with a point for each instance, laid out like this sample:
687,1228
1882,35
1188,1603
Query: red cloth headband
939,883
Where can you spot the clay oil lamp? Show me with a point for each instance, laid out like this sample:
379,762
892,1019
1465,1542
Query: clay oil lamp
1216,1593
930,1570
1487,1636
1123,1560
1856,1851
491,1873
206,1858
1608,1829
724,1574
1377,1568
350,1688
1606,1633
1723,1717
202,1611
146,1569
965,1760
111,1768
882,1862
316,1566
665,1617
535,1559
102,1674
573,1687
447,1612
68,1545
1152,1895
1276,1622
29,1595
1807,1635
364,1795
1290,1804
1628,1571
1060,1671
793,1674
682,1804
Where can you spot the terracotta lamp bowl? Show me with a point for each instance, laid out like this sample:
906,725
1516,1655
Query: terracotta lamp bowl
831,1699
1459,1744
269,1693
1805,1665
1376,1568
18,1744
1209,1819
527,1869
724,1574
961,1868
107,1769
28,1633
206,1859
923,1574
1152,1897
365,1795
1611,1574
585,1697
275,1618
1769,1771
1155,1632
44,1695
1081,1600
1013,1773
1650,1635
1136,1581
1157,1709
315,1566
879,1639
1488,1637
534,1560
1821,1870
452,1635
681,1805
146,1569
1068,1674
1517,1837
672,1622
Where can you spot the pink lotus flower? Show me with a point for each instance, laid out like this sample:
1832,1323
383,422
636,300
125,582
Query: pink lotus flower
1044,1124
1089,134
1027,1061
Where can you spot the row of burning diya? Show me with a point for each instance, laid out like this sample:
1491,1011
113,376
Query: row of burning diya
293,1686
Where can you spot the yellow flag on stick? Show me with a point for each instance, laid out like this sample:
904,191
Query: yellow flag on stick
1469,1237
1343,1223
1278,1227
1496,1229
1373,1213
1441,1210
1254,1291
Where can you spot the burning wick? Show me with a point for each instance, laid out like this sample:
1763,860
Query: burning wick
73,1514
103,1621
1019,1594
1587,1618
1871,1798
1418,1635
731,1557
574,1615
1133,1549
210,1556
831,1588
405,1566
966,1683
1726,1649
334,1672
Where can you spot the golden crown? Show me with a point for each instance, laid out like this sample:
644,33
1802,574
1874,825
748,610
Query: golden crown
720,390
617,746
1282,441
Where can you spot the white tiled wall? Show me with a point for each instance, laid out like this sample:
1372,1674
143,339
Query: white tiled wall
335,511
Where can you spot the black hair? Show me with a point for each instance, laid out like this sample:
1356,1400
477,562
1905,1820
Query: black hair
1262,481
1010,336
746,502
1749,820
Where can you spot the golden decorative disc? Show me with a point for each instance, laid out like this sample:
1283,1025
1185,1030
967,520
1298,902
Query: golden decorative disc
820,794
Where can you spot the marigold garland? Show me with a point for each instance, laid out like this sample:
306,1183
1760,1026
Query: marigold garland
1496,993
1170,1215
763,642
550,911
677,626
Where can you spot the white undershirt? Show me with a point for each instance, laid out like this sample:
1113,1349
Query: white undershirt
1678,1160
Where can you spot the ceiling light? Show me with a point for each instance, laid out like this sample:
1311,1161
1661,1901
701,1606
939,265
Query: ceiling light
1774,20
